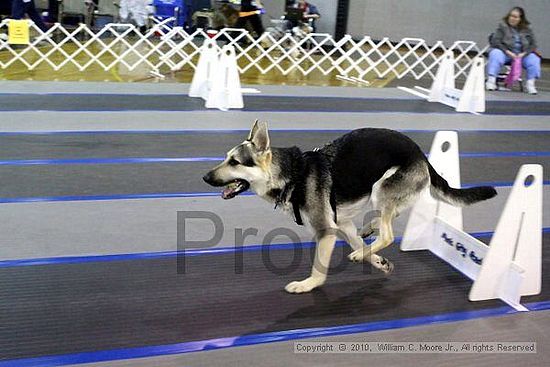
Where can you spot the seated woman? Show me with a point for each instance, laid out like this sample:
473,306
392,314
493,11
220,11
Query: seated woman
513,38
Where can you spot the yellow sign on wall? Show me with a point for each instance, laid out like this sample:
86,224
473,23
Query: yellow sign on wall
18,32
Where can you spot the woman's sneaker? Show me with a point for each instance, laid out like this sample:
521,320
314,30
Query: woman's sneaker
491,83
530,86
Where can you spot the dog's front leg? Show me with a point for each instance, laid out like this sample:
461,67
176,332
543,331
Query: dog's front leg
321,263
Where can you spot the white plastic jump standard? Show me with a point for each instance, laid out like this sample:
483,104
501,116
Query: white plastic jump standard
443,90
510,267
226,84
444,81
203,77
472,98
216,79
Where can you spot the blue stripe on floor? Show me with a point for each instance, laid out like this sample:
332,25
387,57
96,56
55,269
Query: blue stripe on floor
48,162
169,195
184,93
273,95
504,154
152,255
172,195
245,130
187,252
444,111
449,112
271,337
145,160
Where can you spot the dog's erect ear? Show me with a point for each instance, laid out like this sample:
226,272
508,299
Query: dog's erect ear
253,130
259,136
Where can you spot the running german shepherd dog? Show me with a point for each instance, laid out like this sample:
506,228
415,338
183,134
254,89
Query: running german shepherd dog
331,185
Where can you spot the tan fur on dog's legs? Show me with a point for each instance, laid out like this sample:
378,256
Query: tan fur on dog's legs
384,239
386,232
348,232
323,252
370,228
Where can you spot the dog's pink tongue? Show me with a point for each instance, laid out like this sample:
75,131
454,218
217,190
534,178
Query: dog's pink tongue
227,193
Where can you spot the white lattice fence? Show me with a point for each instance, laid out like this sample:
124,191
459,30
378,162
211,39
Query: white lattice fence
167,48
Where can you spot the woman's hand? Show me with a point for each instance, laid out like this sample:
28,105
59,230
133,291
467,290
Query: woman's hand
521,54
511,54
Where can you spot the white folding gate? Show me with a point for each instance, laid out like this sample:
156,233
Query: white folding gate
165,48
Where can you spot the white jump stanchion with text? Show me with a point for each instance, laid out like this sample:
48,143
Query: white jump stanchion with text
510,267
470,99
206,67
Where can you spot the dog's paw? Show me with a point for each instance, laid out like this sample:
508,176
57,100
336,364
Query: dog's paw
357,256
386,266
303,286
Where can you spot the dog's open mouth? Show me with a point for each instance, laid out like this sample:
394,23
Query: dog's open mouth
234,188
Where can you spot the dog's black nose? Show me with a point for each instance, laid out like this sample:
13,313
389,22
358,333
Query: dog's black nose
208,178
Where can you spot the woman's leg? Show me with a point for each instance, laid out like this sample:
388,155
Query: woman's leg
497,58
531,63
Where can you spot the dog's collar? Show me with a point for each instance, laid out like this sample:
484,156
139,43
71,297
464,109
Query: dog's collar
283,197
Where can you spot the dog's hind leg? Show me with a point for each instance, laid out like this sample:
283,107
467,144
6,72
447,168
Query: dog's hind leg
396,190
384,239
369,228
380,203
349,234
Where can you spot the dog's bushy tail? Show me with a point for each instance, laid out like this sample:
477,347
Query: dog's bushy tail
441,190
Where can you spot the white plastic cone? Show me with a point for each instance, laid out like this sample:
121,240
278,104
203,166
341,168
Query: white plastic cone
473,94
206,68
226,87
444,78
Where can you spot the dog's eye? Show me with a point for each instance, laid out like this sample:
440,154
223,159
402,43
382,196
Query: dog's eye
233,162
